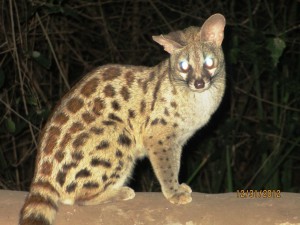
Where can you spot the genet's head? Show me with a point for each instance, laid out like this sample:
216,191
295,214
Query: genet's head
196,55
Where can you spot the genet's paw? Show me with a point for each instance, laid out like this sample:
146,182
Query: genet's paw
185,187
126,193
182,195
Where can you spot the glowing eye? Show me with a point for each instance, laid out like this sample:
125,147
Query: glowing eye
184,66
209,62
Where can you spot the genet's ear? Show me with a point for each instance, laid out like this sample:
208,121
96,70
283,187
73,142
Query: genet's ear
168,42
213,29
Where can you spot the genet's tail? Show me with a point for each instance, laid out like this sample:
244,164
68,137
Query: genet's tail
40,206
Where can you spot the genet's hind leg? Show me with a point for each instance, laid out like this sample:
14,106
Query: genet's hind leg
110,195
112,164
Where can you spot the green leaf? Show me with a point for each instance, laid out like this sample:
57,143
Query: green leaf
41,59
275,46
10,125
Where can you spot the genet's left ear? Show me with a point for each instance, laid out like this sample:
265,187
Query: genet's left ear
170,41
213,29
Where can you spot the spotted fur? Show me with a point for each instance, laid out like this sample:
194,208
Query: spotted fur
117,114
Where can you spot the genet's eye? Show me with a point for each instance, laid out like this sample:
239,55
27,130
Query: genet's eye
184,66
209,62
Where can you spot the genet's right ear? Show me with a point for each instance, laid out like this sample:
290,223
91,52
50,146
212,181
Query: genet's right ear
168,42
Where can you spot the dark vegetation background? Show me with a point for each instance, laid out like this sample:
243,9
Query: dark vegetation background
252,142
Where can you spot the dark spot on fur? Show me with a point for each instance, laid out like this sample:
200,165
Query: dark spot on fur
104,177
108,123
71,187
154,122
129,77
80,140
174,104
61,177
46,168
112,116
90,185
87,117
109,91
163,122
74,105
124,140
119,154
59,155
177,114
90,87
143,106
60,119
97,130
52,138
83,173
131,113
111,73
115,175
115,105
125,93
68,166
99,105
147,121
156,89
103,145
77,155
76,126
100,162
166,112
118,168
65,141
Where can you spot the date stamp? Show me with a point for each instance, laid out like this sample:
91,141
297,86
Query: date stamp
258,194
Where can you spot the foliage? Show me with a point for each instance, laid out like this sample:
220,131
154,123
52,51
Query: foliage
252,142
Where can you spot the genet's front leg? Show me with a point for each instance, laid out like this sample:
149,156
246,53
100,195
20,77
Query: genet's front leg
165,160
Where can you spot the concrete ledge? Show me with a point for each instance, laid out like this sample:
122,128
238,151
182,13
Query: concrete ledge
153,208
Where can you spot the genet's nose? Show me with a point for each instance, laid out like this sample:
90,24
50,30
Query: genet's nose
199,83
